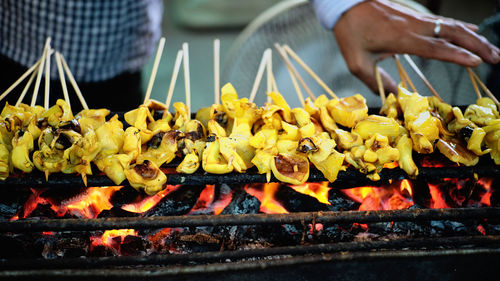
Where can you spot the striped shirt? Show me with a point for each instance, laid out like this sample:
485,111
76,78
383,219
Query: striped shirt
100,39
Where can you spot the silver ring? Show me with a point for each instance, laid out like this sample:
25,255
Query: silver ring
437,28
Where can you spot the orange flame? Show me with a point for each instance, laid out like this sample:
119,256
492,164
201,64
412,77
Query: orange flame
317,190
437,201
268,204
150,201
88,204
207,201
389,197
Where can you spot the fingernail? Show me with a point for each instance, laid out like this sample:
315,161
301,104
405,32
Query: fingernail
475,59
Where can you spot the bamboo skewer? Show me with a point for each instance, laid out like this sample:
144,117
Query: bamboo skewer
62,78
47,81
216,71
187,79
26,88
485,89
403,75
173,80
269,72
474,84
73,82
422,76
274,86
260,72
46,49
292,69
309,70
380,84
33,70
298,91
156,63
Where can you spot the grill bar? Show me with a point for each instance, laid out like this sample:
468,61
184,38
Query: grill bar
429,243
30,225
204,269
346,179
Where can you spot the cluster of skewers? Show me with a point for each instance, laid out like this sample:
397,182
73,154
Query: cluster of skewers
234,134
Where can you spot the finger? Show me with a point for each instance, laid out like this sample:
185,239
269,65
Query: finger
460,35
469,26
440,49
363,67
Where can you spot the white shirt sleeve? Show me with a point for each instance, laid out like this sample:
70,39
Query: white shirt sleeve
330,11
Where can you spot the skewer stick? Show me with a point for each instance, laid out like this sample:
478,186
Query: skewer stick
295,85
25,90
47,81
380,84
269,72
187,79
260,72
216,71
474,84
485,89
403,74
293,70
422,76
171,88
156,63
271,75
62,78
40,71
310,71
73,82
32,70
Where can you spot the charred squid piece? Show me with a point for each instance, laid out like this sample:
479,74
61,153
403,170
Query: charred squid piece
80,154
323,155
376,124
72,124
193,147
48,159
22,145
146,176
161,148
349,110
212,159
91,119
405,162
390,108
60,112
290,168
455,150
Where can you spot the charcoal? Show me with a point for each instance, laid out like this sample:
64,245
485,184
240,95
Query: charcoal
7,211
17,246
294,201
102,251
134,246
495,198
116,211
242,203
42,211
340,202
67,245
179,202
447,226
125,195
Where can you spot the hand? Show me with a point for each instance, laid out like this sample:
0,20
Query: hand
373,30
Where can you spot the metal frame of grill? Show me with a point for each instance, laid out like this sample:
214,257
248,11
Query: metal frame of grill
254,259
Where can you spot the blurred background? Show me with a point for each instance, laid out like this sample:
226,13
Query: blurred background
247,28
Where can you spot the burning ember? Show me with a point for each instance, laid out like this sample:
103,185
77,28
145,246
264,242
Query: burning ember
398,195
112,238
